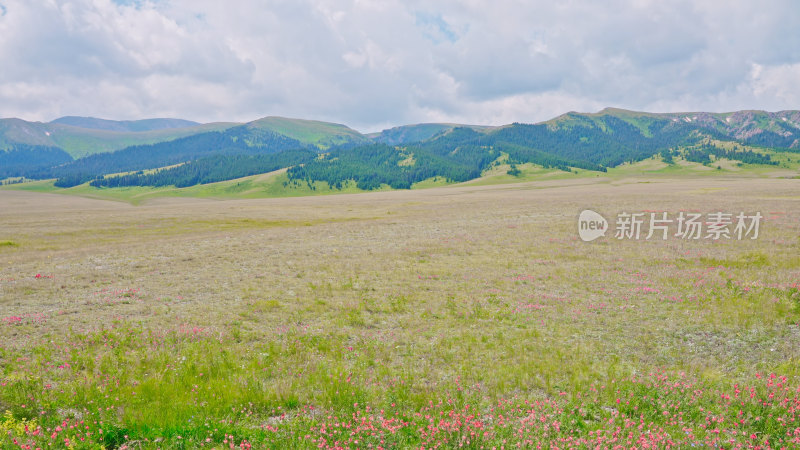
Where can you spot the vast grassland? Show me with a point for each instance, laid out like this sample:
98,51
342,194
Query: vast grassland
467,316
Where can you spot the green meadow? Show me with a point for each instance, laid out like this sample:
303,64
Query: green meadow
463,315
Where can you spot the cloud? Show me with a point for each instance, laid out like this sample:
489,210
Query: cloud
373,64
435,27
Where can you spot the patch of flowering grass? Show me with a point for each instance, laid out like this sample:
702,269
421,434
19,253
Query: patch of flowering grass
190,387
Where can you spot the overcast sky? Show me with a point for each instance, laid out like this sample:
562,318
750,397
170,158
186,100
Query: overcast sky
377,64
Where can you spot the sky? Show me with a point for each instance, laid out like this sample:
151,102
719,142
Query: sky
377,64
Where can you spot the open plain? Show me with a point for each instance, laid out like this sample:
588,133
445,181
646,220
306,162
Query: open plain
464,316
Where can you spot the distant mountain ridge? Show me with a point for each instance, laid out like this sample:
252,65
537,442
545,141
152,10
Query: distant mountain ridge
313,132
125,126
418,132
82,136
771,129
79,142
397,157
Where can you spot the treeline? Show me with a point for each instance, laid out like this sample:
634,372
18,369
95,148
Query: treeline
702,154
374,165
613,143
745,156
22,160
774,140
237,140
518,154
460,155
697,156
471,148
463,153
210,170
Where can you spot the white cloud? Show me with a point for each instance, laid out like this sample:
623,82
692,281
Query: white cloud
372,64
778,82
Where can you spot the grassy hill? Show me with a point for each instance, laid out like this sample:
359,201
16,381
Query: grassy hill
124,125
18,131
407,134
769,129
274,184
80,142
590,144
313,132
84,136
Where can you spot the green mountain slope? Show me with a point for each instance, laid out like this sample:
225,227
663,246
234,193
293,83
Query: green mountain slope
79,142
407,134
402,157
769,129
130,126
83,136
18,131
313,132
233,141
593,142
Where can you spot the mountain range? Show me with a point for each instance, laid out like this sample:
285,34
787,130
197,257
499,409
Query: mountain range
78,150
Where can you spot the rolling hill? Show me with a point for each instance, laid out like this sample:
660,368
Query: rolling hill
84,136
79,142
311,132
407,134
768,129
399,157
129,126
